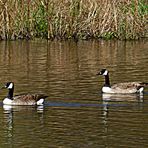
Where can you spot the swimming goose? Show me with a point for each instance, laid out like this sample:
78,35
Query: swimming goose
25,99
121,88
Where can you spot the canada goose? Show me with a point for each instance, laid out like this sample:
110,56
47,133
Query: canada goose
24,99
121,88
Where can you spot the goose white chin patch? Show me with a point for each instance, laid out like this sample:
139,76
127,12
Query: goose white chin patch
105,73
10,86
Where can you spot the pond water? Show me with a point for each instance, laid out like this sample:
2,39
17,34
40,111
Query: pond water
76,114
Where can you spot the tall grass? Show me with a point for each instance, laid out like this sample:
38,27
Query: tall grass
78,19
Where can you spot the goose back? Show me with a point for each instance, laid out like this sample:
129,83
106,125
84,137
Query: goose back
127,87
27,99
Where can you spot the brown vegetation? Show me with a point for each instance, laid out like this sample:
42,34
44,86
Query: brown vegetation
78,19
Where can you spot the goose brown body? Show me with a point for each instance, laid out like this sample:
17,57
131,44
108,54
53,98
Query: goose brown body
128,87
27,99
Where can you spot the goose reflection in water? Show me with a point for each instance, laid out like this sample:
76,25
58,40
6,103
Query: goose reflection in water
122,97
11,108
10,112
108,100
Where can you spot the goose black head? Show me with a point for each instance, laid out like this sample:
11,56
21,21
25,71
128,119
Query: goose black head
103,72
9,85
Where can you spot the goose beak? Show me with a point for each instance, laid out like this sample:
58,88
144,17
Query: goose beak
3,87
98,73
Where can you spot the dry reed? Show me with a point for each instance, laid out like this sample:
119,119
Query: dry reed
77,19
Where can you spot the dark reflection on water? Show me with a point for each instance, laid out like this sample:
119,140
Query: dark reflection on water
75,114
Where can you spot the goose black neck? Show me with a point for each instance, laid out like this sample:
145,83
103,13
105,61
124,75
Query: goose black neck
107,82
10,93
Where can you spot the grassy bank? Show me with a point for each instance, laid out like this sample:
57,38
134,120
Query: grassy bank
78,19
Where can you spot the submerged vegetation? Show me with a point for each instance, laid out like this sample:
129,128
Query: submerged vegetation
77,19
